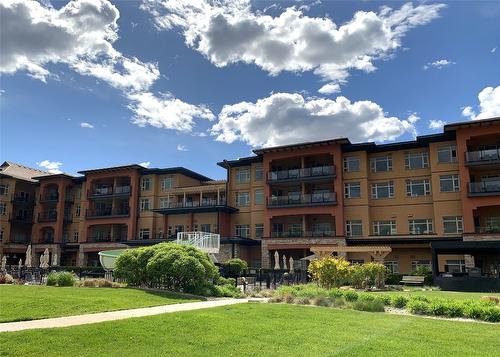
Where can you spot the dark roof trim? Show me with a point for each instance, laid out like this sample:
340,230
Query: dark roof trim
54,176
113,168
238,240
471,123
400,240
243,161
301,145
175,170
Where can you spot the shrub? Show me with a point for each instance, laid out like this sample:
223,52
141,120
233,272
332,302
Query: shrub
226,281
234,267
481,310
418,307
490,314
321,301
357,276
337,302
393,279
376,273
350,295
375,305
100,283
302,301
227,291
66,278
329,272
494,299
288,298
399,301
52,279
426,273
335,293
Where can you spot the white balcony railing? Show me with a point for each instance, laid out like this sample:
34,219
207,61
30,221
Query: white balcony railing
206,242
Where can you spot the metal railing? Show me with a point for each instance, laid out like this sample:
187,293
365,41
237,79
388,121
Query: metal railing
47,217
303,234
107,213
488,155
192,204
488,229
98,239
23,200
21,219
484,187
108,191
295,174
303,199
49,197
207,242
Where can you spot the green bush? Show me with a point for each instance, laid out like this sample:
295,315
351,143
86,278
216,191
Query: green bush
65,278
52,279
234,267
363,304
226,281
393,279
418,307
321,301
335,293
399,301
350,295
482,310
329,272
302,301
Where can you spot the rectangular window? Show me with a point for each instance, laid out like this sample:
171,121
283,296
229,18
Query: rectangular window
3,208
166,183
416,160
416,264
242,199
356,261
144,204
163,202
381,164
353,228
75,236
384,228
78,210
242,230
418,187
321,228
144,233
447,154
178,229
1,235
420,226
259,230
352,190
4,190
449,183
243,175
455,266
146,184
259,173
259,197
393,266
383,190
351,164
205,228
295,229
453,224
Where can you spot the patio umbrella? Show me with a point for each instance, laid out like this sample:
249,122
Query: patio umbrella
46,259
276,260
20,265
284,261
291,265
27,261
54,259
4,263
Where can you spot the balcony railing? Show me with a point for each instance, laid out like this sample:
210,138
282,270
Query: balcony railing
203,203
304,199
484,187
297,174
483,156
23,200
49,197
21,240
303,234
125,212
21,219
47,217
488,229
110,191
99,239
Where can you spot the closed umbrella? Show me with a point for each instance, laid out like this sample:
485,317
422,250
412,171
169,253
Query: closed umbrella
20,265
54,260
284,261
291,265
4,263
45,262
27,261
276,260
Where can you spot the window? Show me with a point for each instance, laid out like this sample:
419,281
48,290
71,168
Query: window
163,202
1,235
242,230
179,229
384,228
392,265
352,190
380,164
205,227
322,228
259,173
144,233
242,175
78,210
166,183
259,230
383,190
259,197
356,261
144,204
416,264
4,190
420,226
351,164
453,224
146,184
418,187
447,154
3,208
353,228
455,266
75,236
242,199
449,183
295,229
416,160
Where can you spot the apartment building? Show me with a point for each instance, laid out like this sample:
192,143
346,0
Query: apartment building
433,201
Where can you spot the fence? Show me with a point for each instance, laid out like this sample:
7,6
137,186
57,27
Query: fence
269,278
37,276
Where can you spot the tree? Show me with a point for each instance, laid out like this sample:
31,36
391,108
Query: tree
234,267
329,272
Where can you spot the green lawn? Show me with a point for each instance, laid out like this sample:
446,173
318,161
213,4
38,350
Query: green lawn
261,330
455,295
19,302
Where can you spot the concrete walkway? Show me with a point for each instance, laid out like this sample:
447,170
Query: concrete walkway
116,315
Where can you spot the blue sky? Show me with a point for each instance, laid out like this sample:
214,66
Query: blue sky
437,69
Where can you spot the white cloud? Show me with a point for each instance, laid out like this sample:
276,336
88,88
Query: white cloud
493,50
436,124
228,32
51,166
86,125
145,164
489,105
181,147
284,118
439,64
330,88
81,35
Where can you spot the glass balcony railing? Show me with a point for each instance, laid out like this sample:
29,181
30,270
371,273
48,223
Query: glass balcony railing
483,156
303,199
47,216
488,229
99,213
296,174
484,187
110,191
303,234
194,204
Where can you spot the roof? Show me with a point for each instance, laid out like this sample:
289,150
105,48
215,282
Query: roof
472,123
242,161
301,145
18,171
112,168
52,176
176,170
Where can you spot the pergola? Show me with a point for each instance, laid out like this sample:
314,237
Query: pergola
377,252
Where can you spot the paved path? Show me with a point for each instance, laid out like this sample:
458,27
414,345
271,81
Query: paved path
116,315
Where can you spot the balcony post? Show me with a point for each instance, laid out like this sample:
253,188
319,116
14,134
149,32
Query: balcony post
184,199
201,197
304,228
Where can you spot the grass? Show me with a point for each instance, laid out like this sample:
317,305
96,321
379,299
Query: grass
19,302
264,330
454,295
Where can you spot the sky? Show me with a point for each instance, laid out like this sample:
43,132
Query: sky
96,83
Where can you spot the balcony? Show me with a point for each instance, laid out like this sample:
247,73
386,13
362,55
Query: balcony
314,199
108,239
47,217
23,200
206,205
483,157
21,219
303,234
484,188
21,240
110,191
49,197
108,213
306,174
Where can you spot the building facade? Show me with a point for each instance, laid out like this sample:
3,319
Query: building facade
433,201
